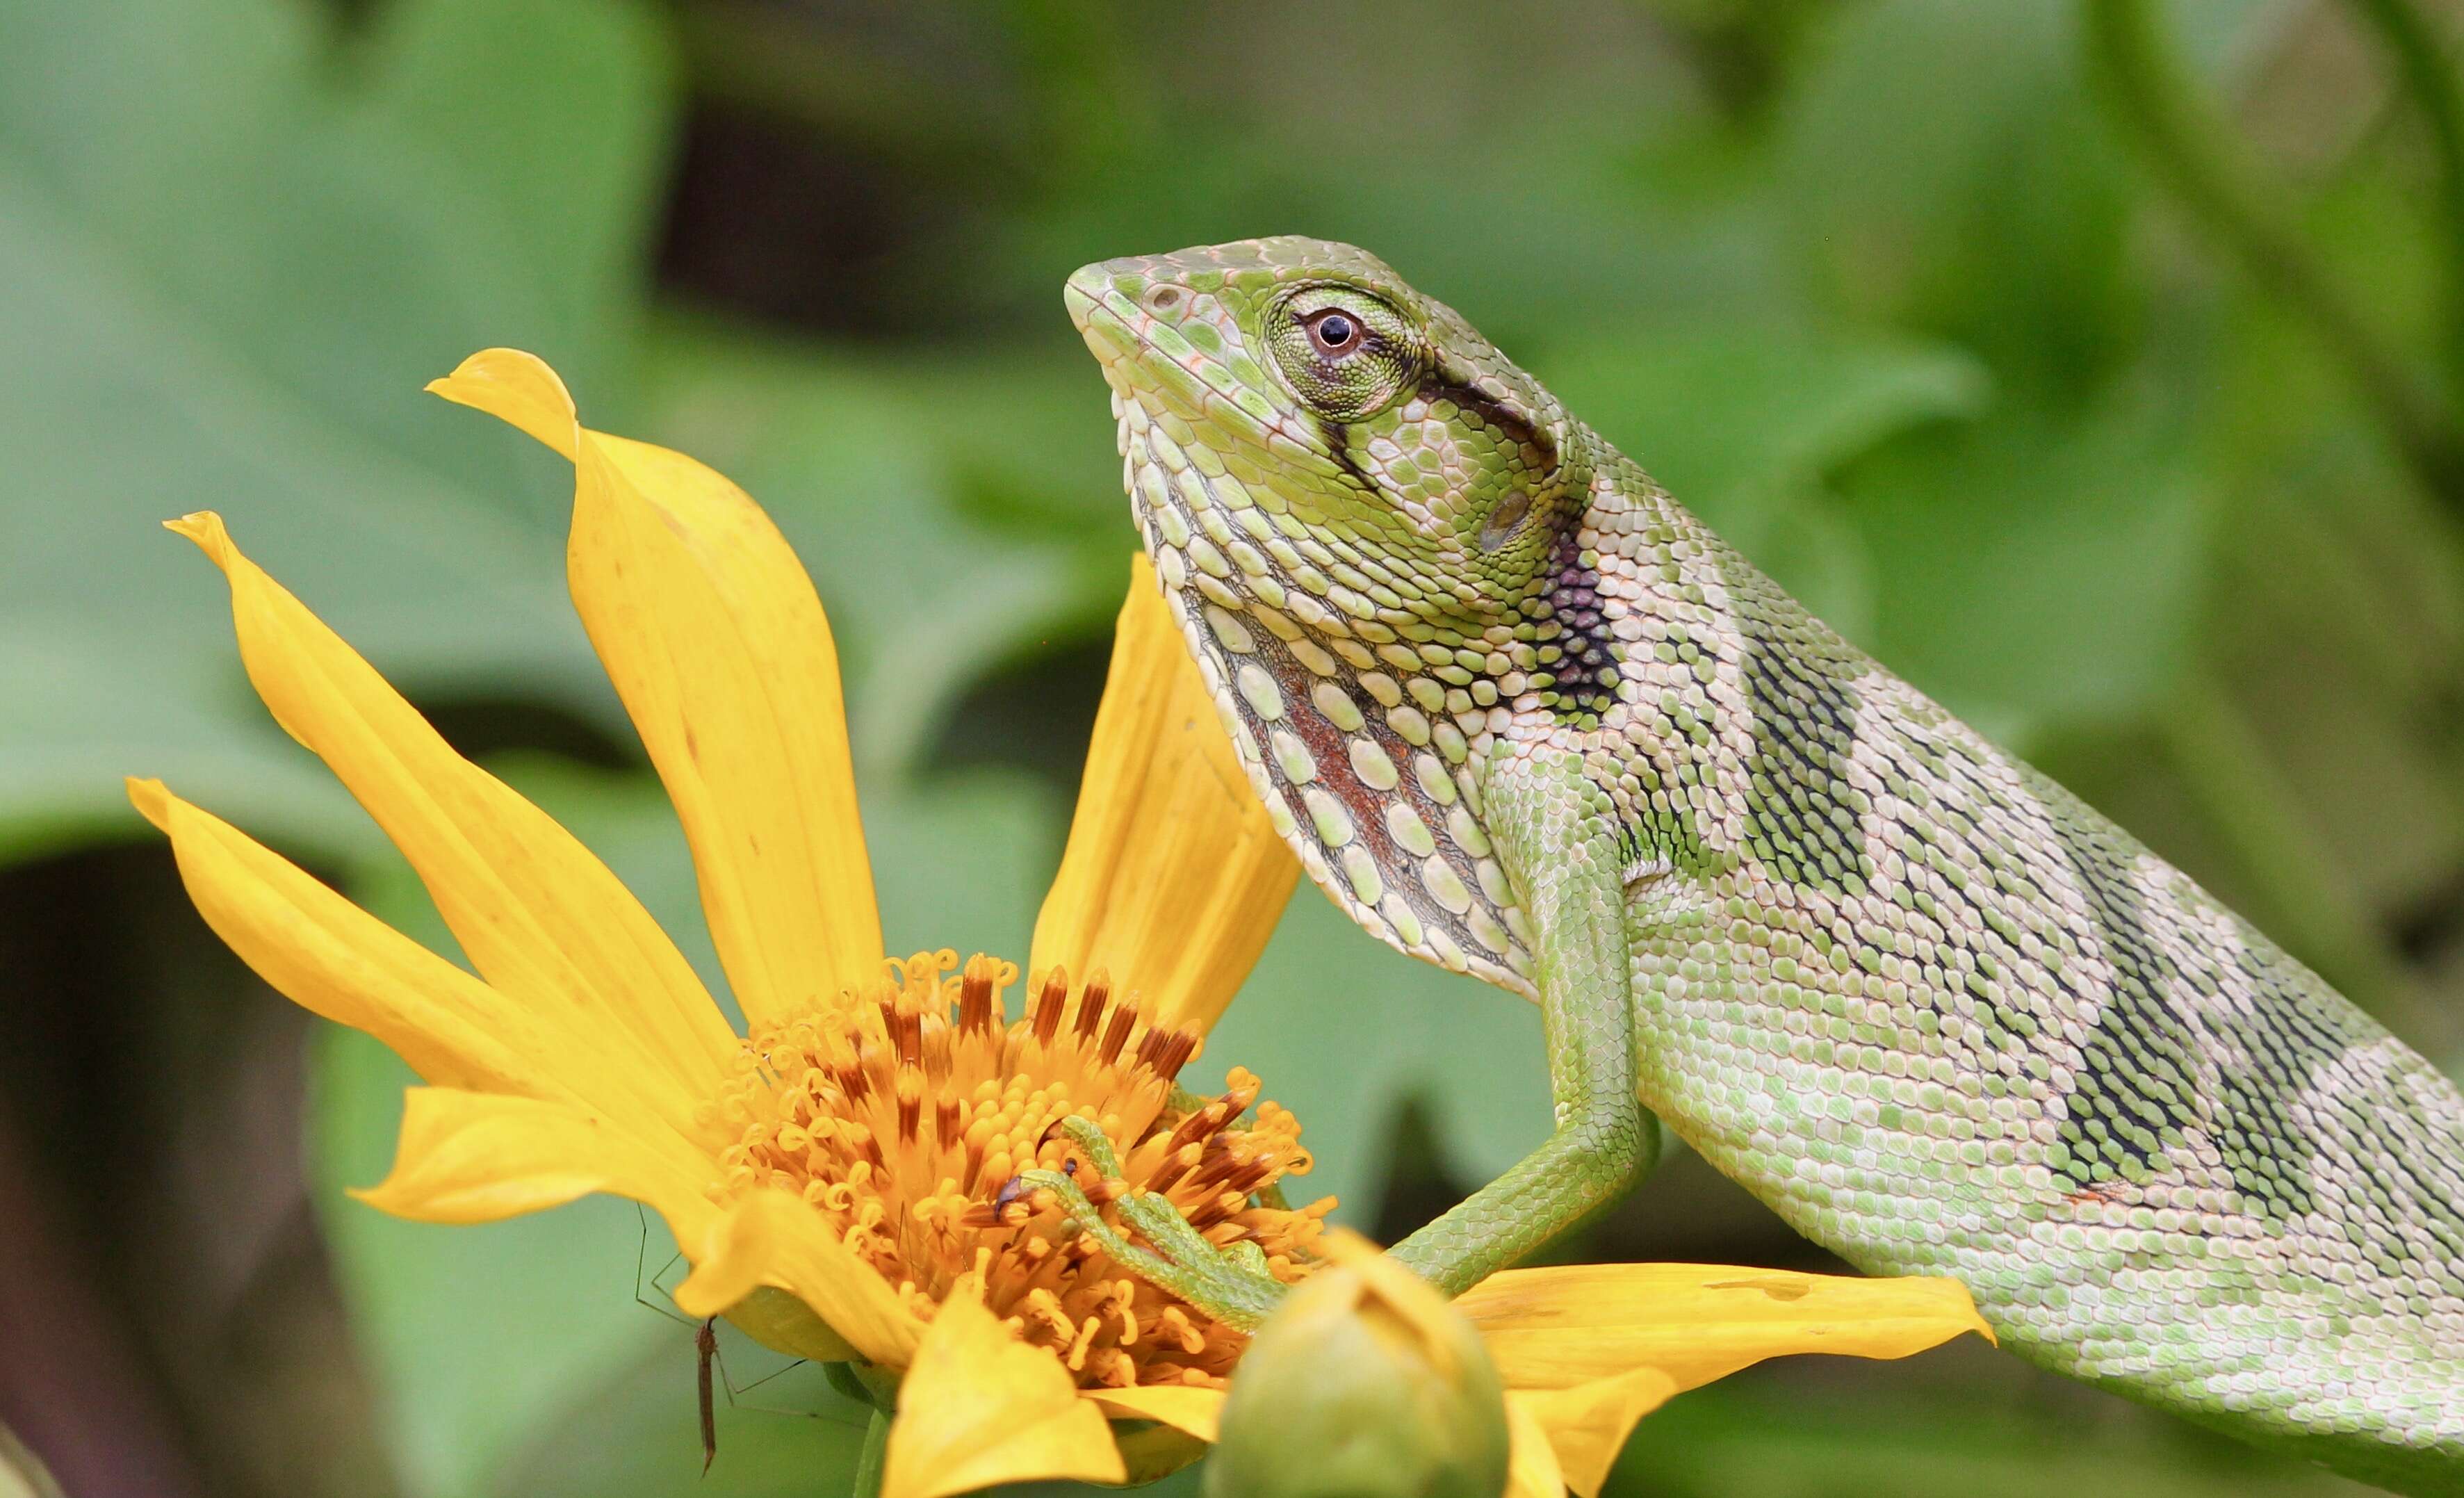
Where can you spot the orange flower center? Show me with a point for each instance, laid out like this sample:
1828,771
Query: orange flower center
906,1113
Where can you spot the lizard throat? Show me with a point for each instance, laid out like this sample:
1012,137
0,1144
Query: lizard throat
1366,743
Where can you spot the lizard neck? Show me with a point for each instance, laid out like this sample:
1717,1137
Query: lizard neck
1365,726
1369,726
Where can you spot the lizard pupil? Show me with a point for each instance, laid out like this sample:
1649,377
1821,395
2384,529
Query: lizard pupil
1335,333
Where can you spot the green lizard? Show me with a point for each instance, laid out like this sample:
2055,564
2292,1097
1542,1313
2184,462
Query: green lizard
1522,716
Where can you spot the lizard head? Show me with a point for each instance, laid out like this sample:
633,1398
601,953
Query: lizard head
1361,512
1433,474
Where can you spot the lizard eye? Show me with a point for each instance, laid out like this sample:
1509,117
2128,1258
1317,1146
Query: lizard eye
1345,352
1334,333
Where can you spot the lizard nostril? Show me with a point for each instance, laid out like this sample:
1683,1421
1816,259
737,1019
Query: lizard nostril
1162,300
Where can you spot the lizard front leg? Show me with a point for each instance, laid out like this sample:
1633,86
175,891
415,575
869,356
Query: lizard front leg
1558,837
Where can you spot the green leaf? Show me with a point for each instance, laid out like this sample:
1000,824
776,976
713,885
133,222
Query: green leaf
1947,172
556,116
1957,1421
229,275
2035,574
128,416
1742,430
74,715
1718,415
636,1432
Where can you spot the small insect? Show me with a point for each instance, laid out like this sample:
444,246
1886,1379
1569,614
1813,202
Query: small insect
708,1361
705,1353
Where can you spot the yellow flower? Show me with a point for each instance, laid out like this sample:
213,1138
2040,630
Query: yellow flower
842,1177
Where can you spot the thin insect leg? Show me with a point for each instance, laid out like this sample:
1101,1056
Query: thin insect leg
727,1382
733,1390
641,1256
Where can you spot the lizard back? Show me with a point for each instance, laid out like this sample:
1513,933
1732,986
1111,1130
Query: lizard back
1945,1018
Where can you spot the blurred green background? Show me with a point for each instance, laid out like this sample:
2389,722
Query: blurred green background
2096,364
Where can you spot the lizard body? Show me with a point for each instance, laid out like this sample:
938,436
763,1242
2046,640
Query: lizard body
1522,716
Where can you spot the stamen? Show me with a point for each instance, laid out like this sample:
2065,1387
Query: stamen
975,995
1164,1052
1091,1002
832,1104
911,1106
1207,1121
1111,1051
1176,1165
1047,1007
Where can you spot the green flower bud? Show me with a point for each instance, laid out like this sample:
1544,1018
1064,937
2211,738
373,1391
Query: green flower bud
1364,1383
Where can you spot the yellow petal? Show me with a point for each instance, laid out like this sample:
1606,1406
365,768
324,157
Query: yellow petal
1174,877
1151,1453
1560,1326
980,1407
1184,1407
719,647
773,1238
782,1323
716,642
1532,1469
473,1157
333,958
516,387
540,917
1586,1425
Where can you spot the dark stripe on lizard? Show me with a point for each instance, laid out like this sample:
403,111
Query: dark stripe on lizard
2137,1093
1806,821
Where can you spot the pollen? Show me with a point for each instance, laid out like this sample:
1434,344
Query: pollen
904,1114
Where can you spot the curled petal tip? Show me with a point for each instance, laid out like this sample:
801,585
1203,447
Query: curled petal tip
724,1273
205,528
712,1288
152,800
517,387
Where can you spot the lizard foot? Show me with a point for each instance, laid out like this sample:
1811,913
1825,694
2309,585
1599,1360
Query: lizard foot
1231,1285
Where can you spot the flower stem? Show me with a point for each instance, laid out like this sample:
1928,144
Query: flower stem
2189,148
867,1466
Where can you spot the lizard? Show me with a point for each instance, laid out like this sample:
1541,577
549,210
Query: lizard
1521,714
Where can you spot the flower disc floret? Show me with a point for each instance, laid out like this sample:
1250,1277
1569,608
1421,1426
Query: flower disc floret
906,1115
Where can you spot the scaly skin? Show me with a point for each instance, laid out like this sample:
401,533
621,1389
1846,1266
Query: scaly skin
1522,716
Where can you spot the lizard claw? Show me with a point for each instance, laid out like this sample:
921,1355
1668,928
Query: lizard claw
1234,1285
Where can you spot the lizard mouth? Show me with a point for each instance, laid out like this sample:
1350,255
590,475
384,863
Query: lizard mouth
1085,296
1116,329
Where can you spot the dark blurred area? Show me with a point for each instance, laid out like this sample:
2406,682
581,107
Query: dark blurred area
2097,363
